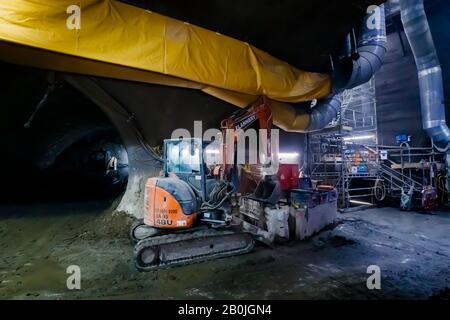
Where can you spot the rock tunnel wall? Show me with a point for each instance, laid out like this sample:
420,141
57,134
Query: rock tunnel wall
36,159
81,107
145,115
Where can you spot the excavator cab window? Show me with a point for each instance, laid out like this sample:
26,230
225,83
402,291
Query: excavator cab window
184,158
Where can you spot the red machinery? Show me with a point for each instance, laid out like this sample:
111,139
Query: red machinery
288,176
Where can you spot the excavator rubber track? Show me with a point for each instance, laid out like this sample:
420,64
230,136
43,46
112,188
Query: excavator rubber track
180,249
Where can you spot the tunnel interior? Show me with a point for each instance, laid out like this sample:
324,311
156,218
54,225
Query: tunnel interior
61,148
78,149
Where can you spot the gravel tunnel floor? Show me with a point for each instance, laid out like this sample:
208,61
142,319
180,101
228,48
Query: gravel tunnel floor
39,242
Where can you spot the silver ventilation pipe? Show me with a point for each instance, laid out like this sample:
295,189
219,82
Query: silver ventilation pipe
324,112
356,69
371,47
429,70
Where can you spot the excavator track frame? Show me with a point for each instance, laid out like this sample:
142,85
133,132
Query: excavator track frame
220,243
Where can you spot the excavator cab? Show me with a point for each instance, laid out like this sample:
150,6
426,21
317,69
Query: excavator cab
184,193
184,159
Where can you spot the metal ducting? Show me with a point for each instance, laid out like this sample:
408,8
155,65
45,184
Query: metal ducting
431,86
324,112
355,69
371,48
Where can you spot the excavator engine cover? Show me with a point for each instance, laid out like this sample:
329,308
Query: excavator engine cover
170,203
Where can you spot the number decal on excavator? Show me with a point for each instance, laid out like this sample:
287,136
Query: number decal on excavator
162,211
164,222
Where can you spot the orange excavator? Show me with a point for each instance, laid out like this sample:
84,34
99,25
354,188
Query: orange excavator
188,211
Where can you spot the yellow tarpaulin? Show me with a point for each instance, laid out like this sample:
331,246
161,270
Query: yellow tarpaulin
135,41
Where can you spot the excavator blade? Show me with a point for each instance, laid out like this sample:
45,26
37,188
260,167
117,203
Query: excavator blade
187,248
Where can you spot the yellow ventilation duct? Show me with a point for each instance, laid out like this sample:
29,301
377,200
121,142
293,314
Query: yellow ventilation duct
136,40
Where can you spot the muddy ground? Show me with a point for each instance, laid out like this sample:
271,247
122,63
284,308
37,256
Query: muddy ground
38,243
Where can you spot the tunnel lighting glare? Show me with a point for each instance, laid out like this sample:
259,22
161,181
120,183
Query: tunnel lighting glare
360,202
288,155
352,138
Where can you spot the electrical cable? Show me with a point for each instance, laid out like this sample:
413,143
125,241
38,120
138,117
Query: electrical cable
51,87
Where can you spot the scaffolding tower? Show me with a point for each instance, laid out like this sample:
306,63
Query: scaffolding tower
339,155
346,154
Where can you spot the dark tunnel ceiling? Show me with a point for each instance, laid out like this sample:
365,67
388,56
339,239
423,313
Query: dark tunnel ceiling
301,32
